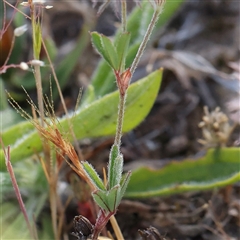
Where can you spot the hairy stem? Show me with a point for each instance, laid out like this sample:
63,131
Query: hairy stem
145,40
101,222
124,15
121,106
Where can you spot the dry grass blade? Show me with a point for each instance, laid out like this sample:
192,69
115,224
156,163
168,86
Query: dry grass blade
51,133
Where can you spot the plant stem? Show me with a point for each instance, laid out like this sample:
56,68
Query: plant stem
121,106
116,228
101,222
124,15
80,155
37,74
145,40
16,188
53,205
52,172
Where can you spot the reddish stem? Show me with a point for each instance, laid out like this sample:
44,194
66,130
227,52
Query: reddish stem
15,186
101,222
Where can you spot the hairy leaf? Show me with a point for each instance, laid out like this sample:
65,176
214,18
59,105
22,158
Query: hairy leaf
96,119
105,48
218,168
112,157
122,43
100,197
103,78
112,198
93,175
124,183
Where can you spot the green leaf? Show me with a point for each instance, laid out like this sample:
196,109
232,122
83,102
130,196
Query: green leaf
115,171
122,43
16,229
121,190
13,223
100,197
124,183
96,119
6,184
103,78
10,118
9,210
218,168
112,198
93,176
17,132
30,178
112,157
132,51
91,95
118,169
105,48
34,188
46,231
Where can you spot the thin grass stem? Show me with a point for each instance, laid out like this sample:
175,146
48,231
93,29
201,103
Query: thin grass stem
37,74
80,155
